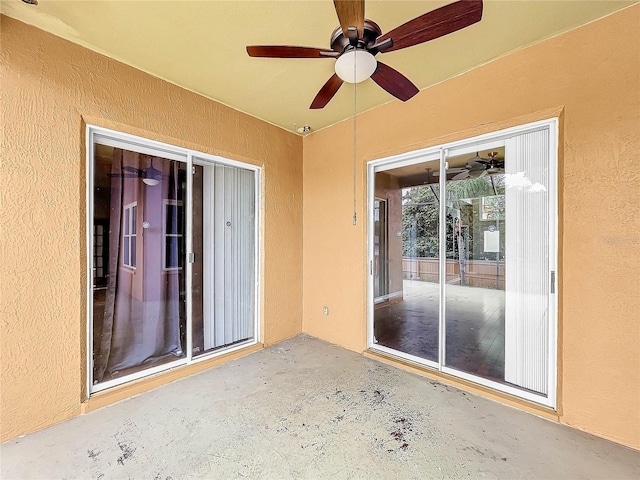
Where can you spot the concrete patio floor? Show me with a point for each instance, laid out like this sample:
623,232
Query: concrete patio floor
306,409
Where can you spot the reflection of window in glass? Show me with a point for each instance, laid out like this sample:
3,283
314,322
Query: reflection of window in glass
173,235
98,246
492,208
129,235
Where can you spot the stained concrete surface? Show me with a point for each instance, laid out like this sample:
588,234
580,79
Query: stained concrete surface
306,409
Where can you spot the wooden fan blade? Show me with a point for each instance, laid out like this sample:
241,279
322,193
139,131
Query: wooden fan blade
135,170
350,14
327,92
477,173
434,24
288,51
124,175
394,82
451,171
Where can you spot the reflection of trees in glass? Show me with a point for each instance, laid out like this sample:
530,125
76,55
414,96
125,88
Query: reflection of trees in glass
420,211
420,222
486,186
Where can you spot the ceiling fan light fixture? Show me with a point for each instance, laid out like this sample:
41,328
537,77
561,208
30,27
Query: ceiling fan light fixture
152,176
355,66
152,182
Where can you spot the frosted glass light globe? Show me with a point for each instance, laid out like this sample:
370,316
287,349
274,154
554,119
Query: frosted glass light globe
365,65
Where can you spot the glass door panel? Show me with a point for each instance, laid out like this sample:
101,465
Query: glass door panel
529,306
224,281
406,319
139,315
474,288
498,307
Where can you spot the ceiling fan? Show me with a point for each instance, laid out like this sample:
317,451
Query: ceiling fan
477,167
357,40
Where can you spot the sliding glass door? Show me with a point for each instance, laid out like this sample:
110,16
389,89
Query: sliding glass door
224,267
407,318
477,225
173,236
475,287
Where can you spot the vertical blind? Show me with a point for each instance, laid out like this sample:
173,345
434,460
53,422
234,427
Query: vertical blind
527,269
229,255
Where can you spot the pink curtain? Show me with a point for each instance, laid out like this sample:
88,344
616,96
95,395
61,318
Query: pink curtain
144,308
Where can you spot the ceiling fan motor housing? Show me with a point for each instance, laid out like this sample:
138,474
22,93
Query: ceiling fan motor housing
341,42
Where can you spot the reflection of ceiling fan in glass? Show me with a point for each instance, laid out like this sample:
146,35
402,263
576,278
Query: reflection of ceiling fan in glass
477,167
150,176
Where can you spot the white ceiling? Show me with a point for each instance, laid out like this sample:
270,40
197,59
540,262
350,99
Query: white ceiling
200,45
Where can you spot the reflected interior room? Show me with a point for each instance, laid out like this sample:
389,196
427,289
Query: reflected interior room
406,262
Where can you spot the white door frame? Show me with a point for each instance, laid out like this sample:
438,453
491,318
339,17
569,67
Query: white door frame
441,153
138,144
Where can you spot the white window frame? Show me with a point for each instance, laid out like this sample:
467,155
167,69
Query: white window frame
132,208
471,145
96,134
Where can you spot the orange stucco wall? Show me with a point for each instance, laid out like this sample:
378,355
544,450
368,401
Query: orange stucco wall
49,87
591,78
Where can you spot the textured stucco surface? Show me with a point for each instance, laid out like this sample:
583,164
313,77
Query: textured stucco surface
49,86
592,76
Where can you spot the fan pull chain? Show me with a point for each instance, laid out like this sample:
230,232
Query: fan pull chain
355,143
